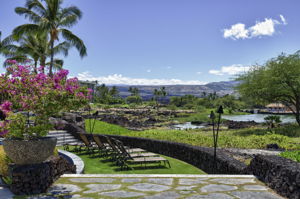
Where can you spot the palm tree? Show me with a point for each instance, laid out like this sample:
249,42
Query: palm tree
49,17
32,46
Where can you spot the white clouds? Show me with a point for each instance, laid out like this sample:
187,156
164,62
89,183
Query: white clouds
230,70
120,79
283,19
199,73
261,28
266,28
236,31
148,71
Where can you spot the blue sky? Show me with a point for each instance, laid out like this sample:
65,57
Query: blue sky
174,41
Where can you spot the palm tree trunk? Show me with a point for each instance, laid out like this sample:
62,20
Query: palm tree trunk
35,66
43,63
52,58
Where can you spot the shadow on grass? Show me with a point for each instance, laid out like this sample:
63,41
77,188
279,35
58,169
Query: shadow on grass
147,167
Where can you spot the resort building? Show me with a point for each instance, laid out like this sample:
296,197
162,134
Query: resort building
277,108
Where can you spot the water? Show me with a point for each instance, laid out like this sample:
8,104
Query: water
259,118
187,125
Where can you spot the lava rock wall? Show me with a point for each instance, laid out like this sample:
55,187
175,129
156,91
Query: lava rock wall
280,174
37,178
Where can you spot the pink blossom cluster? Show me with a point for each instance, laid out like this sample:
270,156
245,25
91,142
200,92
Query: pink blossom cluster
25,90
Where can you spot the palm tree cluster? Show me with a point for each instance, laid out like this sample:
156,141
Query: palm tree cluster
38,41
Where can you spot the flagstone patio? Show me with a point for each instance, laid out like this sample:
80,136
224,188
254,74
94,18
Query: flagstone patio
90,186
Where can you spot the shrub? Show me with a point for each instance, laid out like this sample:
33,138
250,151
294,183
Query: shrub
293,155
4,161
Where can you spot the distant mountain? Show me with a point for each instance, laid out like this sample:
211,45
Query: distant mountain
221,88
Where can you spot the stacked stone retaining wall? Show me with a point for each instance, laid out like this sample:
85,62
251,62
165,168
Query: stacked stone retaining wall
280,174
37,178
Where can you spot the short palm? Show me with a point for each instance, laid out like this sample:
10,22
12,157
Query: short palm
32,46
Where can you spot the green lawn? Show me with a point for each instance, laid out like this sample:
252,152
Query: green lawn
286,137
103,165
293,155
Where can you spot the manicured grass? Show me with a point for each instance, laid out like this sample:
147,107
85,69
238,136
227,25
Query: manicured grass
103,165
293,155
105,128
244,138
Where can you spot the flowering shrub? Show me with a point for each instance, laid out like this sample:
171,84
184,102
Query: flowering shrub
27,96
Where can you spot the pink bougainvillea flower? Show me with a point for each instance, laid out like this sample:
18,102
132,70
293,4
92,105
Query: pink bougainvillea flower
3,133
6,106
39,93
11,61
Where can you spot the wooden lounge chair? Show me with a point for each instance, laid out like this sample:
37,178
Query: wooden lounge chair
103,147
127,159
120,145
112,144
87,145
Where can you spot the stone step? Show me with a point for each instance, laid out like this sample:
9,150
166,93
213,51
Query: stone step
63,136
57,132
67,140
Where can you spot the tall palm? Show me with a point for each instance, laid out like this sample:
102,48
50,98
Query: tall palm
49,16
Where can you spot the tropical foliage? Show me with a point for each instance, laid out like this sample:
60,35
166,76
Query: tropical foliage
50,18
32,47
278,80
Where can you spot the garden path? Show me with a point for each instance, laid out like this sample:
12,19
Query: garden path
90,186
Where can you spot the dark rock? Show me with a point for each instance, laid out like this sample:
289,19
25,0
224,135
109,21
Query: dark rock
239,124
280,174
274,146
37,178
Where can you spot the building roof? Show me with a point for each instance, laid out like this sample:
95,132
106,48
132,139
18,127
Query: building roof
275,105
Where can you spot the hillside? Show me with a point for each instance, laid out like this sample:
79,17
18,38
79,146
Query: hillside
221,88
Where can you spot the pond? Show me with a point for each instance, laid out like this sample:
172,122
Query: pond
187,125
259,118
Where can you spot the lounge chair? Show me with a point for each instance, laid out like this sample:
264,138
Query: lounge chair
112,144
103,147
121,146
86,144
127,158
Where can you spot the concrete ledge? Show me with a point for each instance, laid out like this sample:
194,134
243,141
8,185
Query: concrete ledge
76,160
153,176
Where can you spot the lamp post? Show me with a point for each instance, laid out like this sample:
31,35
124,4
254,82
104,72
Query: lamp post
216,131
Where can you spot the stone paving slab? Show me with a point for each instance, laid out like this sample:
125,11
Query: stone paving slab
158,187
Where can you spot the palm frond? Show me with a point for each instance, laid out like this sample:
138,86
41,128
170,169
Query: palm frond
72,10
62,48
69,21
25,28
36,5
28,14
58,64
74,41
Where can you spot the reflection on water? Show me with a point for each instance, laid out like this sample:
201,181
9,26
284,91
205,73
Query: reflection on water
259,118
187,125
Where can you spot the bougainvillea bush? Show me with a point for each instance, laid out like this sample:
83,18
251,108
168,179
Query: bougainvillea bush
28,99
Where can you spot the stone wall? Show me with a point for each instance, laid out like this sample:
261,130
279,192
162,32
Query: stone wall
280,174
201,157
37,178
